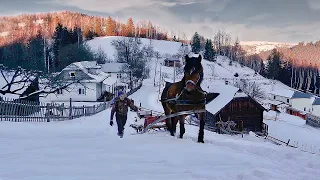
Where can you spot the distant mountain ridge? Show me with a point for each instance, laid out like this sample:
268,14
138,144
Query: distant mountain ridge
256,47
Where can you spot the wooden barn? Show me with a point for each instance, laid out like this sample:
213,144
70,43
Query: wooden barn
172,62
238,107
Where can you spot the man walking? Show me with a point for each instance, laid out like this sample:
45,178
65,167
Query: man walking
120,108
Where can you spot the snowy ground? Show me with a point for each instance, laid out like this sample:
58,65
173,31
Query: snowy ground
294,128
88,148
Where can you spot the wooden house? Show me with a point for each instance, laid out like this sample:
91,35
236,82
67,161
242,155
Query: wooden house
234,105
172,62
245,112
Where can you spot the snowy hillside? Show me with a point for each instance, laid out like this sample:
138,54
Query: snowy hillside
163,47
255,47
88,148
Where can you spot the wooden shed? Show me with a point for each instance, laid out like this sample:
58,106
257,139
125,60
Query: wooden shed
239,108
171,62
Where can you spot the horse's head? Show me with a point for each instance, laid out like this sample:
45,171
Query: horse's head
193,72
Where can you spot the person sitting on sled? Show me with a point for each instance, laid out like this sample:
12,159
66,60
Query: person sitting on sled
120,108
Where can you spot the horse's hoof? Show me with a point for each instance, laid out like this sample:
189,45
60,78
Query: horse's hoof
200,141
181,136
172,134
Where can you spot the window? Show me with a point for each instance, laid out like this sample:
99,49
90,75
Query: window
59,91
287,100
274,97
72,74
82,91
304,109
119,76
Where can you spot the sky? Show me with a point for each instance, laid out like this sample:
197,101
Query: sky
288,21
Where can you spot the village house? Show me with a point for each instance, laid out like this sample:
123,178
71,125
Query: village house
316,107
118,77
299,103
89,82
233,105
172,62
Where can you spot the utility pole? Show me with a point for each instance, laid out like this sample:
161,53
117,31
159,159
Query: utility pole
155,73
44,47
159,80
174,71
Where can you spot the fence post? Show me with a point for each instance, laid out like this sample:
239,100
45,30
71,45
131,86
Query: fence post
288,142
94,109
48,112
83,112
70,109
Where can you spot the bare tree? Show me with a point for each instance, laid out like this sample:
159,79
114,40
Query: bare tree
18,79
253,89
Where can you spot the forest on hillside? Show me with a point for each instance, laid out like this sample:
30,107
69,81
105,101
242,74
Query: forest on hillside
27,26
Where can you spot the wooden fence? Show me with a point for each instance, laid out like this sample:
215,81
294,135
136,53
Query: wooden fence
313,120
28,111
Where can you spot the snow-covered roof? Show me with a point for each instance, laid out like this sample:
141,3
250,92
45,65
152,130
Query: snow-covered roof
239,93
99,77
110,81
87,64
226,94
283,92
316,101
112,67
291,94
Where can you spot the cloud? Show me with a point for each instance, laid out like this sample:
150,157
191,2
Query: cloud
289,20
314,4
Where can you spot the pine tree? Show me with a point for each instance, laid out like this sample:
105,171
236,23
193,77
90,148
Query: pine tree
196,44
209,52
274,64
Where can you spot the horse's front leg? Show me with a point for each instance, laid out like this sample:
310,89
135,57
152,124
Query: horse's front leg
182,129
201,117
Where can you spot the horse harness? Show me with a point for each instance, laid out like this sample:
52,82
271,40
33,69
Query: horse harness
177,101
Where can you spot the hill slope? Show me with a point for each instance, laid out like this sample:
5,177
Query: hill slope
88,148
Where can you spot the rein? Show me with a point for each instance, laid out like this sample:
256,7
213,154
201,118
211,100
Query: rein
178,101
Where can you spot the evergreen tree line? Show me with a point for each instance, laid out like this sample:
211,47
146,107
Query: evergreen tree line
305,78
300,78
67,46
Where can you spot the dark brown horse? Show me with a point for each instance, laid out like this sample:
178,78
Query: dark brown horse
185,95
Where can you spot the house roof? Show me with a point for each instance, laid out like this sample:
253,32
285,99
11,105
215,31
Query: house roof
112,67
316,101
87,64
110,81
291,94
298,94
84,66
226,94
283,92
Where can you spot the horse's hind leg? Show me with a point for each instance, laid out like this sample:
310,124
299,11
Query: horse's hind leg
174,122
182,129
201,130
167,112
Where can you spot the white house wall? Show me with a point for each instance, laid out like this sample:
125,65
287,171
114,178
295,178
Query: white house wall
281,99
302,104
316,110
73,92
